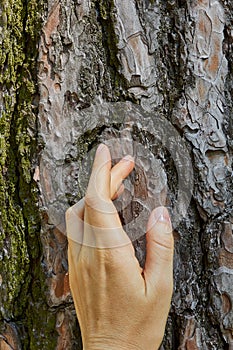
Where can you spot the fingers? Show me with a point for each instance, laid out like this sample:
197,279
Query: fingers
158,270
103,227
120,172
99,209
119,192
75,214
100,179
74,226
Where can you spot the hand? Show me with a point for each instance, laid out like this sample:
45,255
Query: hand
119,305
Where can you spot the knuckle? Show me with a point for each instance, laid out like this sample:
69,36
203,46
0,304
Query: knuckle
165,242
91,200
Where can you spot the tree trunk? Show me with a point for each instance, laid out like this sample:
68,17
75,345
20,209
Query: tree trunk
150,78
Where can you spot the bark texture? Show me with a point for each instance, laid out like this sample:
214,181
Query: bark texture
149,78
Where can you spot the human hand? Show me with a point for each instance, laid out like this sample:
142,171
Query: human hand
119,305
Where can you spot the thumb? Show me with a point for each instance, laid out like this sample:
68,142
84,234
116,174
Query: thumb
158,269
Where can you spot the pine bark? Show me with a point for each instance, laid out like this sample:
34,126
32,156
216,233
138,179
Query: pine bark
149,78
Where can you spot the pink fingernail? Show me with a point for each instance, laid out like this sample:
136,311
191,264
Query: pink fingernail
100,148
161,215
128,158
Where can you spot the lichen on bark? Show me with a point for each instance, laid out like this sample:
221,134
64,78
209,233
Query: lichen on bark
19,221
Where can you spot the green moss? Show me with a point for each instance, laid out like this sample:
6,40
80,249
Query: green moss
103,6
16,259
19,218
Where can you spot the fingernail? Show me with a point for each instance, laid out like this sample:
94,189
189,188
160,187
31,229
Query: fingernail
161,216
128,158
100,148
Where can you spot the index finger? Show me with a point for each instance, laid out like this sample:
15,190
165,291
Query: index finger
98,204
102,227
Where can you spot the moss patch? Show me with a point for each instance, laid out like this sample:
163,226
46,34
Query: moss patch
19,218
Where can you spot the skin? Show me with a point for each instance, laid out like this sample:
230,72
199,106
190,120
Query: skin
119,305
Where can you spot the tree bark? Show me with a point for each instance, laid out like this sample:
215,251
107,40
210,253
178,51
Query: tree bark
148,78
